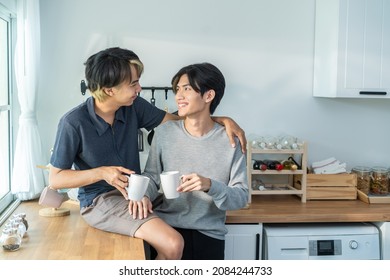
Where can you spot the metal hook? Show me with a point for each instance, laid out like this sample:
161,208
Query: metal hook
166,98
166,93
153,100
83,87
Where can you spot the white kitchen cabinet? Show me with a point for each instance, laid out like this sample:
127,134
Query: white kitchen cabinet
352,49
243,241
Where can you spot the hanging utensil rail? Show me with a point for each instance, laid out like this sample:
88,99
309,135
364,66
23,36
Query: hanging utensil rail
157,88
83,88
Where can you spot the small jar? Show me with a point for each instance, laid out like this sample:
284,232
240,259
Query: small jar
363,174
379,181
17,222
10,239
24,220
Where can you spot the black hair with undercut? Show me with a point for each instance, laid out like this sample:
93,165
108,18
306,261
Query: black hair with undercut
109,68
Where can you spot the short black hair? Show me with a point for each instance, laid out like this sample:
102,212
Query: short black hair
203,77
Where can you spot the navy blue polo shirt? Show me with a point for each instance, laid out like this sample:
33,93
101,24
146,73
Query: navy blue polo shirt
86,141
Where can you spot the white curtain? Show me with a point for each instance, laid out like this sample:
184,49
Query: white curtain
28,181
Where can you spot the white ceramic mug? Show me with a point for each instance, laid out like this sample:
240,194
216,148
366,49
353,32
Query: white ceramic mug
170,180
137,187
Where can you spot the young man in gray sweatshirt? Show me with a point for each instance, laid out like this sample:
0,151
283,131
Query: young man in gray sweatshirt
213,175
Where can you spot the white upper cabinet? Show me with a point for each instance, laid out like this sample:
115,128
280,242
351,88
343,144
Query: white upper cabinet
352,49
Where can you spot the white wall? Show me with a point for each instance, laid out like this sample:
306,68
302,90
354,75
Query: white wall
264,48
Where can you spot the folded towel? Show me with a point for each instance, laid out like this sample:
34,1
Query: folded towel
323,162
335,171
334,168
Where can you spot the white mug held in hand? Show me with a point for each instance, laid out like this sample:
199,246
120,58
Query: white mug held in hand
137,187
170,181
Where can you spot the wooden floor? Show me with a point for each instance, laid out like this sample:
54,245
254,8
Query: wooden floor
70,238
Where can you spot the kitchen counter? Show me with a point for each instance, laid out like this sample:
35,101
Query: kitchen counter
290,209
70,238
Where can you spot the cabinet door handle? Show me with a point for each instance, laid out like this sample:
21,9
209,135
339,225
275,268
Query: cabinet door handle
257,246
373,92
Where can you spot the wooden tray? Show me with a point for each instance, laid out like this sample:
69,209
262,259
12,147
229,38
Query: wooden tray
373,199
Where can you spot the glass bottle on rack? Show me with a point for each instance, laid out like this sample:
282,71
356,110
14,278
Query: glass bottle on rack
287,142
258,142
288,164
269,142
258,185
259,165
273,164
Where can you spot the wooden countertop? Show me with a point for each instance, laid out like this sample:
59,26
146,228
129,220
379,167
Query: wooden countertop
290,209
70,238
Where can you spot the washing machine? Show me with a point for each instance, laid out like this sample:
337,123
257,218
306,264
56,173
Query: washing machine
316,241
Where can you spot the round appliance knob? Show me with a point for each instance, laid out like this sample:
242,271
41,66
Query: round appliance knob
353,244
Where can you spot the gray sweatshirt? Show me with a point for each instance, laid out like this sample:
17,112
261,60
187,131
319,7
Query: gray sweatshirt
211,156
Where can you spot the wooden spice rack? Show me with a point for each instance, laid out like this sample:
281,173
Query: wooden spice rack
287,187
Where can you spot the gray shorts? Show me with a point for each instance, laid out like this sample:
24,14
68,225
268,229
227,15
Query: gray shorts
110,212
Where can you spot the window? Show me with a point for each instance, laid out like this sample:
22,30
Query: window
6,197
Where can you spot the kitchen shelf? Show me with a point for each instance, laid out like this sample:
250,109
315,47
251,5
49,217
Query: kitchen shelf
288,175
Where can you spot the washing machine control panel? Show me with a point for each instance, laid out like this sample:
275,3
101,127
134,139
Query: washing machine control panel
324,247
